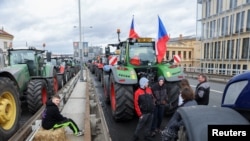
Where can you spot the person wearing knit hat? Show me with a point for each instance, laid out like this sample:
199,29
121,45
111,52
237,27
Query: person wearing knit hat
143,82
160,93
144,107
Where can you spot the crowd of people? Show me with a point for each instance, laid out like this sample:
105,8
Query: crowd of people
150,103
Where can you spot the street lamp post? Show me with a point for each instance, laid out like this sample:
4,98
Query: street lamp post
80,37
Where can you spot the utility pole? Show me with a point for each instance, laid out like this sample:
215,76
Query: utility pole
80,37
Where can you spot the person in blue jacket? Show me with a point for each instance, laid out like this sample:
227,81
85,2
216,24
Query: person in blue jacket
53,119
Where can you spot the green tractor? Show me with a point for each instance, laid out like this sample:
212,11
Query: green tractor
26,80
137,59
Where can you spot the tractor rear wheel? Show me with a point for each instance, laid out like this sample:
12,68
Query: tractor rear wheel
60,81
173,89
36,94
10,111
106,87
121,99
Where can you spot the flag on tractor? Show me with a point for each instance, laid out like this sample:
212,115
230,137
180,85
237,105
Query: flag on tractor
132,33
161,41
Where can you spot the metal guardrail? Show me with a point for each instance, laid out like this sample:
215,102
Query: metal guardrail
28,130
211,77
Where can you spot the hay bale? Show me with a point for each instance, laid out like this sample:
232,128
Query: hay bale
50,135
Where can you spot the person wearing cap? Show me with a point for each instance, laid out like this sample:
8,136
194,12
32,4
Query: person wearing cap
144,107
159,90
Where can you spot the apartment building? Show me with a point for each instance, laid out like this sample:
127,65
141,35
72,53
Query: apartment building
223,28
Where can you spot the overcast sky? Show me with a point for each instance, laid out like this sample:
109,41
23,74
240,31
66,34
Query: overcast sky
56,22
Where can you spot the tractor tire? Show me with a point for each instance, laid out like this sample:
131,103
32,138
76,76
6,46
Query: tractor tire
99,74
52,84
106,88
182,134
122,101
10,108
60,81
37,94
102,78
65,78
173,89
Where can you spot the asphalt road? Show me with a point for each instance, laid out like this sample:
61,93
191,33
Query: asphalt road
123,131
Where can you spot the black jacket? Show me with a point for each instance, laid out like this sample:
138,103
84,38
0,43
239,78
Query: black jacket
51,115
160,94
203,88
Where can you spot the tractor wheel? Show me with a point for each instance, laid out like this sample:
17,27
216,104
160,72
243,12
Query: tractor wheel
106,87
121,99
60,81
99,74
53,84
65,78
182,134
36,94
10,111
173,89
102,78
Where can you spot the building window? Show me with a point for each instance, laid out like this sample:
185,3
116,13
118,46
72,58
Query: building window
230,49
233,4
218,27
223,50
211,50
208,6
244,67
224,28
5,45
245,49
206,50
219,6
167,55
218,46
237,49
173,53
231,24
190,55
239,22
185,55
248,20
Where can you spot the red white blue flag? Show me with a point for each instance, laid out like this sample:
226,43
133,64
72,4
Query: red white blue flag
162,41
132,33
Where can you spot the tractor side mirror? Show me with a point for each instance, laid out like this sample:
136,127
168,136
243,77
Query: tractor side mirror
107,51
48,56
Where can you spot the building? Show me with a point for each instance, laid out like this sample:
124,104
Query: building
223,27
5,43
187,47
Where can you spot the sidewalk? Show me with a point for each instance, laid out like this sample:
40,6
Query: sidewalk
75,108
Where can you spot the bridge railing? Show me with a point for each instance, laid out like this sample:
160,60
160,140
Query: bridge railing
213,74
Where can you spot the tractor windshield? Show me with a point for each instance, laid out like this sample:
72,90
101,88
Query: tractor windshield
144,52
21,56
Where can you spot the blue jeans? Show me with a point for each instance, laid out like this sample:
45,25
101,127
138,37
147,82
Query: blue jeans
158,116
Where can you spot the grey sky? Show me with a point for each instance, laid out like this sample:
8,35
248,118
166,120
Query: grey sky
52,21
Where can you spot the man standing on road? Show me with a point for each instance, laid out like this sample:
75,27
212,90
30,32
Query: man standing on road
202,90
144,107
160,93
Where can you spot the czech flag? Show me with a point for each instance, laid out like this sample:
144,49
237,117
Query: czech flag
162,41
132,33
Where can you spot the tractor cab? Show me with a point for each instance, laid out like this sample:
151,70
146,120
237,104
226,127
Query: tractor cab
32,57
